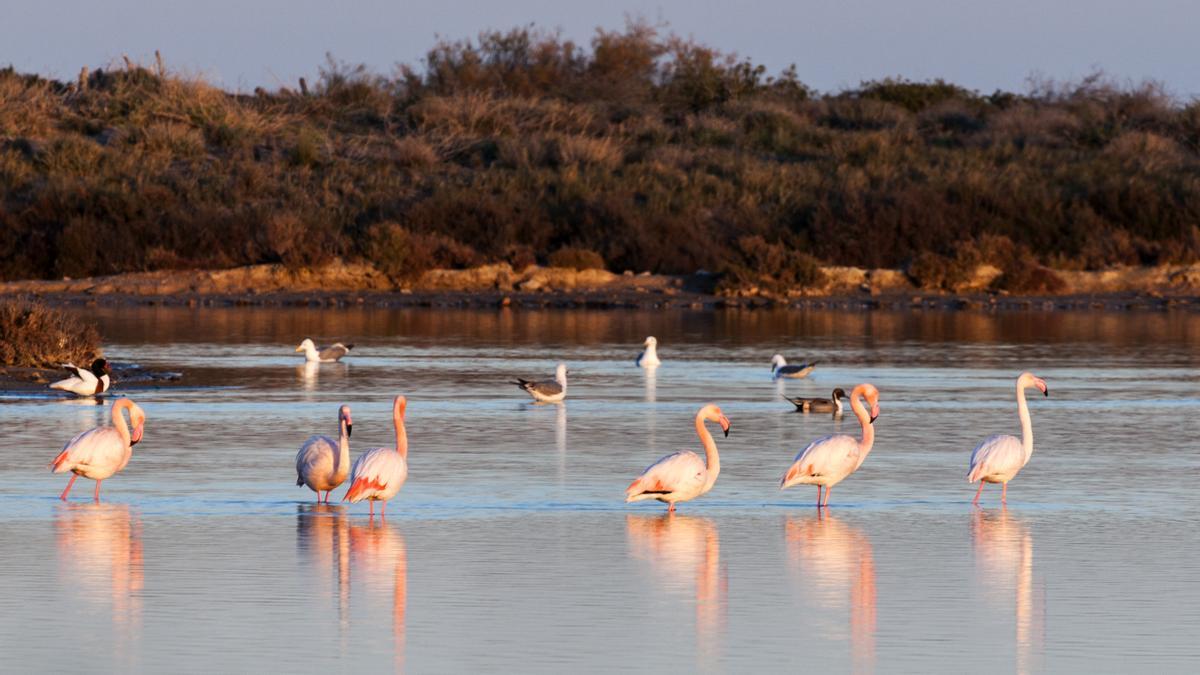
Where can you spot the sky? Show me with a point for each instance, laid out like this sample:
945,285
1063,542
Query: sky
835,44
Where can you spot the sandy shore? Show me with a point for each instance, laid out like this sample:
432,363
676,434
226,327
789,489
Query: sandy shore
342,284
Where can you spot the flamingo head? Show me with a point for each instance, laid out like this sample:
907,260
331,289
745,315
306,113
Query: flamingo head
871,395
777,361
398,407
650,342
344,418
711,413
137,418
1028,379
306,345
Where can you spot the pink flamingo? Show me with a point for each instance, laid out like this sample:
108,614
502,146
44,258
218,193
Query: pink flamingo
682,476
828,461
998,458
378,473
322,463
101,451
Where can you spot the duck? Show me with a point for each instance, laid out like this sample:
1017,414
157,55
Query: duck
833,404
86,383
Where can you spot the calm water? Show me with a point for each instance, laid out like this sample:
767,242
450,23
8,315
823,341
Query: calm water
510,549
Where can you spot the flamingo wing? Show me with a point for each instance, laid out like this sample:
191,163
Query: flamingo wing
98,447
832,457
1000,456
315,457
679,472
377,474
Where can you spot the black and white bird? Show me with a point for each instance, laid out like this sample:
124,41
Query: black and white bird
780,368
330,354
833,405
649,356
83,382
547,391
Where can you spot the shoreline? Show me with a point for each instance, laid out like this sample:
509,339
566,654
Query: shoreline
499,286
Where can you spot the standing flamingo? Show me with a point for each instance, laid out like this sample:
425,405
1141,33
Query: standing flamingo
998,458
682,476
828,461
378,473
101,451
323,464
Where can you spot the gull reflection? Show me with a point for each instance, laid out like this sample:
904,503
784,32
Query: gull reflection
684,553
307,374
833,562
1004,569
373,554
651,375
560,440
100,557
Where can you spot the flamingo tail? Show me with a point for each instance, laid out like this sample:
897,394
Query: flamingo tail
360,487
57,465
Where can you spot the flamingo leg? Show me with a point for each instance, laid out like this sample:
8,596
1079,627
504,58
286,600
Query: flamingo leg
977,493
71,482
383,510
819,488
1004,493
96,494
671,507
828,491
372,503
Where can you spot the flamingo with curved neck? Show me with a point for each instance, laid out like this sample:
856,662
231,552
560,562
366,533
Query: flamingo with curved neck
829,460
323,463
683,476
999,458
378,473
101,451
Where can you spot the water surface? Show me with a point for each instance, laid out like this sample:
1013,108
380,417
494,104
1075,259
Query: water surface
509,549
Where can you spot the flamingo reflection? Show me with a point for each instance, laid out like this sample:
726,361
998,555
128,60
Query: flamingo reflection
831,560
100,557
1004,569
684,553
368,553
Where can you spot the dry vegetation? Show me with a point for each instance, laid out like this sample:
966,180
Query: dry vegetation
644,151
33,335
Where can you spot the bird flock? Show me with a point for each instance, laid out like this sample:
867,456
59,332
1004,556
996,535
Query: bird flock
323,462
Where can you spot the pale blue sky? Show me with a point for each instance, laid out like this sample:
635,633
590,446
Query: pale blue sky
981,44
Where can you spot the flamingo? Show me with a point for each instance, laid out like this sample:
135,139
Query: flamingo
322,463
330,354
998,458
101,451
378,473
828,461
649,356
682,476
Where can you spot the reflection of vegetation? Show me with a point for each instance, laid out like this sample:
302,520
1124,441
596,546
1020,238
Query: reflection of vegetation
34,335
650,151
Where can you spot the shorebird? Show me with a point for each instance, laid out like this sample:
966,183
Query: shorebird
547,391
682,476
329,354
378,473
649,356
323,463
101,451
833,405
829,460
998,458
780,368
92,382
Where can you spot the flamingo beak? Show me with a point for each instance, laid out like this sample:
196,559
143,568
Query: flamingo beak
724,422
874,413
136,437
1041,384
349,427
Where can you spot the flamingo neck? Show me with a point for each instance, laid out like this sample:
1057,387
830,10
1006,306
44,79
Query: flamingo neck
401,434
343,446
711,459
119,420
1026,423
864,418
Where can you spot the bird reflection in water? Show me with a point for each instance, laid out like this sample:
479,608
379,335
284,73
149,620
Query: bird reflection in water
651,375
1004,569
833,562
308,374
684,553
100,557
371,553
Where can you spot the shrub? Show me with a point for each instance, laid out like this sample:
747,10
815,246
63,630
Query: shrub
771,267
576,258
34,335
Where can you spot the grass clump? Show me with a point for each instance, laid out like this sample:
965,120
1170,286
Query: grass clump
36,336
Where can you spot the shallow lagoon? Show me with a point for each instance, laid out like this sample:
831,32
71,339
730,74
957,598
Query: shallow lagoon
510,548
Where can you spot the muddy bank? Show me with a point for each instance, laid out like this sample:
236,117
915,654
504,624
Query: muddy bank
341,284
